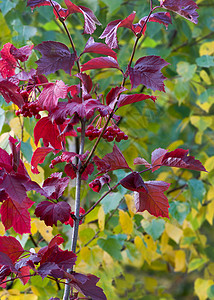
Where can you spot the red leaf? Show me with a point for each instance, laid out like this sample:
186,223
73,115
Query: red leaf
89,17
70,171
100,63
88,171
54,186
97,183
8,63
147,71
111,161
134,182
48,99
185,8
10,92
37,3
52,212
99,48
141,161
38,157
10,246
22,53
160,17
157,156
113,94
178,158
128,99
5,160
110,33
55,56
16,215
154,201
86,82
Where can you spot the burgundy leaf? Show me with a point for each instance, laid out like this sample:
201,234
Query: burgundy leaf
54,186
88,171
52,212
51,269
22,53
141,161
4,272
37,3
178,158
55,56
86,284
185,8
15,214
5,160
89,17
10,92
86,82
147,71
48,99
70,171
154,200
15,152
128,99
113,94
8,63
38,157
63,259
100,63
111,161
64,157
10,246
134,182
99,48
160,17
110,33
156,158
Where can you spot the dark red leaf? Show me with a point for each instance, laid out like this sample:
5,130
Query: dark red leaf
178,158
154,200
86,284
100,63
10,246
141,161
38,157
97,183
70,171
15,152
15,214
54,186
55,56
160,17
185,8
10,92
4,272
156,158
86,82
8,63
111,161
52,212
128,99
25,274
48,99
134,182
22,53
5,160
110,33
89,17
99,48
147,71
88,171
37,3
113,94
51,269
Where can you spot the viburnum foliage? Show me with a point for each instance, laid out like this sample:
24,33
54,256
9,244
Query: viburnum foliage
77,111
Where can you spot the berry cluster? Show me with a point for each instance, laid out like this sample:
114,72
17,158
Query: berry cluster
29,109
111,133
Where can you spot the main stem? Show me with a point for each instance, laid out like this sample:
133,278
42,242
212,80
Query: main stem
77,207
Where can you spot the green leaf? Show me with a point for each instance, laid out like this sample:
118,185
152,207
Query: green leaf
205,61
197,192
185,70
179,210
154,228
112,246
196,263
6,6
210,292
113,4
27,150
111,201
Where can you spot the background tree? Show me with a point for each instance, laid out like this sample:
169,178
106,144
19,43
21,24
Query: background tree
129,251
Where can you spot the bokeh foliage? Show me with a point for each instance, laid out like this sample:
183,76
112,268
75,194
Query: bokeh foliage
137,256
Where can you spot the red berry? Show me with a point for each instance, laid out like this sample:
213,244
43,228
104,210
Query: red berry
125,137
79,129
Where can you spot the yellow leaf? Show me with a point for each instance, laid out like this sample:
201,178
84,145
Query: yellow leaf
85,254
17,128
130,203
180,261
28,297
45,231
201,122
125,222
2,229
39,178
101,218
173,232
210,212
150,284
205,77
209,166
201,286
35,291
175,145
207,48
